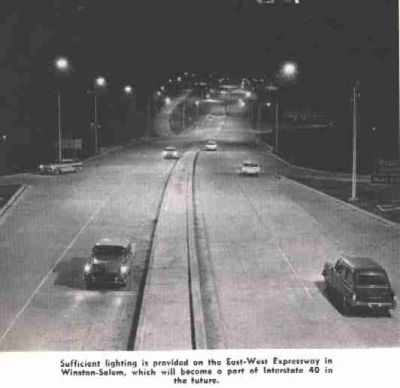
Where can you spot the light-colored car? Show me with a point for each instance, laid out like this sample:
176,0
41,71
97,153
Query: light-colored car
57,167
170,152
249,167
211,145
110,262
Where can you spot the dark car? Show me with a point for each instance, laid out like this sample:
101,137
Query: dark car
110,262
359,282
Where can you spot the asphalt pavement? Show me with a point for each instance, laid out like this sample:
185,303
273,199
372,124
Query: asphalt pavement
266,240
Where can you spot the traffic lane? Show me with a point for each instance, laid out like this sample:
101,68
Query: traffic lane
45,222
263,302
62,315
302,246
349,230
308,244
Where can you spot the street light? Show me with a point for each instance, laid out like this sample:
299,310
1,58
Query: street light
99,82
289,70
128,89
62,65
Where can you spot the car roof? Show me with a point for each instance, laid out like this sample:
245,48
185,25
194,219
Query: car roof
252,162
357,262
113,241
170,148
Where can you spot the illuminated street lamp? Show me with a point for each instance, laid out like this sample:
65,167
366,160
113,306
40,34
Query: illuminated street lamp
128,89
62,66
289,70
99,82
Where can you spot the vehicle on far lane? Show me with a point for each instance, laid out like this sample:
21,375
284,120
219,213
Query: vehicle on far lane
110,262
170,152
250,168
211,145
358,282
66,165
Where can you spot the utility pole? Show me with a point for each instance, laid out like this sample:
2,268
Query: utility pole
59,125
96,125
259,112
354,158
149,116
183,114
277,126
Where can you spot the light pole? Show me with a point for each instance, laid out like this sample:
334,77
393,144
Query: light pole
100,82
62,65
356,96
276,125
288,72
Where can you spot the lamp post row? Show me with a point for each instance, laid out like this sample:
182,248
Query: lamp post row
62,65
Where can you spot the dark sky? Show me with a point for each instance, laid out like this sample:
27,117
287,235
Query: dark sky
335,42
143,42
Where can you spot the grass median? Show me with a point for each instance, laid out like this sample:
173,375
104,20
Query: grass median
380,199
6,192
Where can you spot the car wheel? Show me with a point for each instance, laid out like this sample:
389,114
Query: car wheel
57,171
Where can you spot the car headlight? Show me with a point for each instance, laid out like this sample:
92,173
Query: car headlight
41,167
87,268
124,269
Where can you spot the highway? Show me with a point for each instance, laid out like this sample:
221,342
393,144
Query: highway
261,244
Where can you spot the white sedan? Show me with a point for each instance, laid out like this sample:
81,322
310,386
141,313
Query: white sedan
66,165
250,168
170,152
211,146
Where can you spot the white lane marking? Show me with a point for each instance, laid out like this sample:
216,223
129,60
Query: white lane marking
28,302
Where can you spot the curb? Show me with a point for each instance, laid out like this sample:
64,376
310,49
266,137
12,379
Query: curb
199,331
12,200
348,205
117,148
138,337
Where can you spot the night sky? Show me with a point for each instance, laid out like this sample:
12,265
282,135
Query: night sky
143,42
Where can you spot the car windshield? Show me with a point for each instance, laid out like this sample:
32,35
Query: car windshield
250,164
109,250
170,149
372,279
